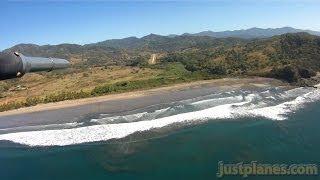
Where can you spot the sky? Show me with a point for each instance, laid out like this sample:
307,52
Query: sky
82,22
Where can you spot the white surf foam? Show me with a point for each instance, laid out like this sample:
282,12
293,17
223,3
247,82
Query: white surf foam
105,132
64,125
114,118
279,111
224,99
129,117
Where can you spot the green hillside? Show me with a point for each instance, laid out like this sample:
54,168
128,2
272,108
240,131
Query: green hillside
139,63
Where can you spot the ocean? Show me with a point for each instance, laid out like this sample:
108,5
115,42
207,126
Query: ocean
179,140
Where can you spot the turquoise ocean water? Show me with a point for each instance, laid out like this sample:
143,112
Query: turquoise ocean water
267,125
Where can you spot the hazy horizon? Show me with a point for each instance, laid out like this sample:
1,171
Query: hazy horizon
156,34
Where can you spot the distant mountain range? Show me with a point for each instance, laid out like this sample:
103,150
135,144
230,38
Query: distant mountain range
153,39
252,33
124,51
284,53
134,42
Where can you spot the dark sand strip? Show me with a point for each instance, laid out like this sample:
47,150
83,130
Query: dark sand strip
76,110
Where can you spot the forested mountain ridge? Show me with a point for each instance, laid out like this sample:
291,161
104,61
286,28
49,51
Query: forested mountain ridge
153,61
288,56
122,51
253,32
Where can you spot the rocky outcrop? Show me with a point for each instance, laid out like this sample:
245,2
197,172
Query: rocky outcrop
309,82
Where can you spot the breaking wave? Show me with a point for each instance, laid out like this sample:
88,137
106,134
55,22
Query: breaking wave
37,127
272,104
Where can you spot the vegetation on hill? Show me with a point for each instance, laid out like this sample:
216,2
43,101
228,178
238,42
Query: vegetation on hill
289,57
122,65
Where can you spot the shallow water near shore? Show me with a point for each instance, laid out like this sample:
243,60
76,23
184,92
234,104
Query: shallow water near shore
184,139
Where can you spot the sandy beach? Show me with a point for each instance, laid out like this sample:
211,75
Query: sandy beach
73,110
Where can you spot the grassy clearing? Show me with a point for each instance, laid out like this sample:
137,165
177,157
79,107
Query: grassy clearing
97,82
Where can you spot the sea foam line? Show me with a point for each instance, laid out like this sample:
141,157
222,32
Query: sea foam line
232,98
105,132
64,125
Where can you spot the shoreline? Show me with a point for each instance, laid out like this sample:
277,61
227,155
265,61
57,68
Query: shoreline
219,83
80,110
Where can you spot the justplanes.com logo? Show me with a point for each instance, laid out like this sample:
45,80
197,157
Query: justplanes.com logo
259,169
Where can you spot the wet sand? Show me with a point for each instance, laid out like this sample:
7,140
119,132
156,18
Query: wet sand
76,110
